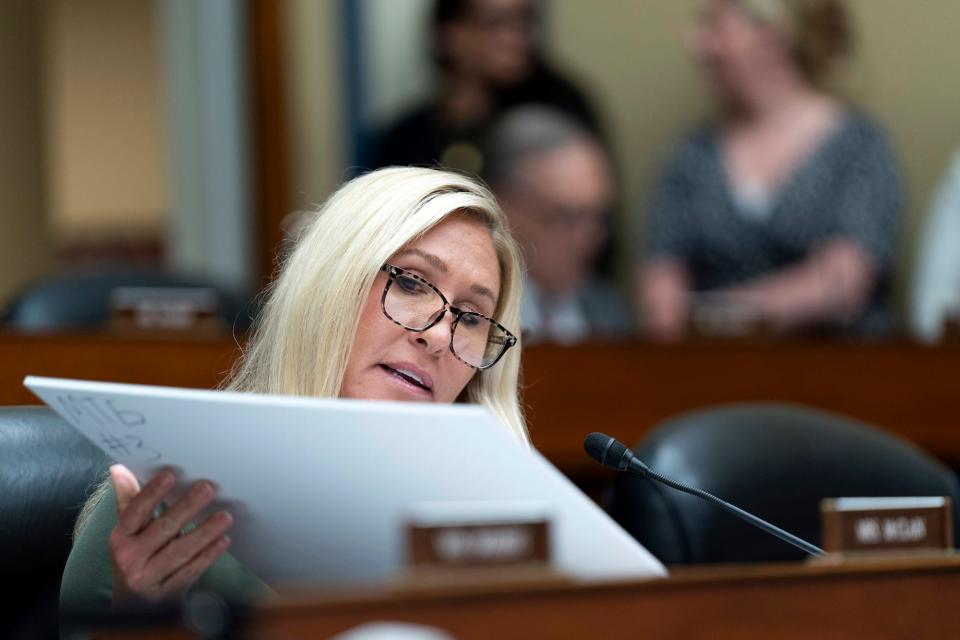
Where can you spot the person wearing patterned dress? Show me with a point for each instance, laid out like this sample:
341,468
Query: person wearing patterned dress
784,211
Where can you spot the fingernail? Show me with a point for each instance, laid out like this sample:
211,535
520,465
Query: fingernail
206,489
225,542
167,479
226,517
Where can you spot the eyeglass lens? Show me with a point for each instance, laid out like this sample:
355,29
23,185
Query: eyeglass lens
476,340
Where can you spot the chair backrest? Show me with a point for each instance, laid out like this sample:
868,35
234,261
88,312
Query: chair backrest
777,461
47,470
80,299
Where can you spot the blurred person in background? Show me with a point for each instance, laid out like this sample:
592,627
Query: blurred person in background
554,182
786,207
487,59
935,298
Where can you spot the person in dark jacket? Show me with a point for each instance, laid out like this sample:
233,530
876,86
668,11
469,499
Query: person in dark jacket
487,61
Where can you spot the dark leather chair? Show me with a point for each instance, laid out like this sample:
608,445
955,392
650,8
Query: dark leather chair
47,470
776,461
80,299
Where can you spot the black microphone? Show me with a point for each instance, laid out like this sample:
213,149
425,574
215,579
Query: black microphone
611,452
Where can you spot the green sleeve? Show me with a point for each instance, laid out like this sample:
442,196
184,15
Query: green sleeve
88,577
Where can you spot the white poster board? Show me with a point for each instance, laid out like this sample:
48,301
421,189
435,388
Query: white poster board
321,489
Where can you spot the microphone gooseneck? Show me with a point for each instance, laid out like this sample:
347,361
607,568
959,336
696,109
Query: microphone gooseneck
611,452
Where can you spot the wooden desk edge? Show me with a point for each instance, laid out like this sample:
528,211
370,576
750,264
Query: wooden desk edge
681,578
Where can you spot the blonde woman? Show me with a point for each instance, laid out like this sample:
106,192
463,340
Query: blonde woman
405,286
783,210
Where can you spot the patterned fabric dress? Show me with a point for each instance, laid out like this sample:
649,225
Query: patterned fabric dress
848,187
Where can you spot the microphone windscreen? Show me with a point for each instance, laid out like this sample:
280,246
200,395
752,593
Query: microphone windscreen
604,449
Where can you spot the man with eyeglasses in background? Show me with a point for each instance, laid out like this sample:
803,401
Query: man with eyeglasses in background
553,180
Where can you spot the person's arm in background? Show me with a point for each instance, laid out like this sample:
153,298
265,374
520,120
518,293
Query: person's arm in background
833,283
837,278
936,279
662,289
661,278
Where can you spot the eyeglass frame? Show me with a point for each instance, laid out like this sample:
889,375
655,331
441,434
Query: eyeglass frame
394,271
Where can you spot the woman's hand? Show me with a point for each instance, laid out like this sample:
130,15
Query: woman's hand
151,561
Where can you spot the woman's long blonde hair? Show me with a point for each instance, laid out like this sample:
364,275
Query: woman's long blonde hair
305,331
307,326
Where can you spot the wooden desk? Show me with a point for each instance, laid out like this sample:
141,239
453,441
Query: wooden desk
623,389
173,362
876,599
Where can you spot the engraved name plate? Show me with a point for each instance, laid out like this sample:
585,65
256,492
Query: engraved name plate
165,309
447,536
886,524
